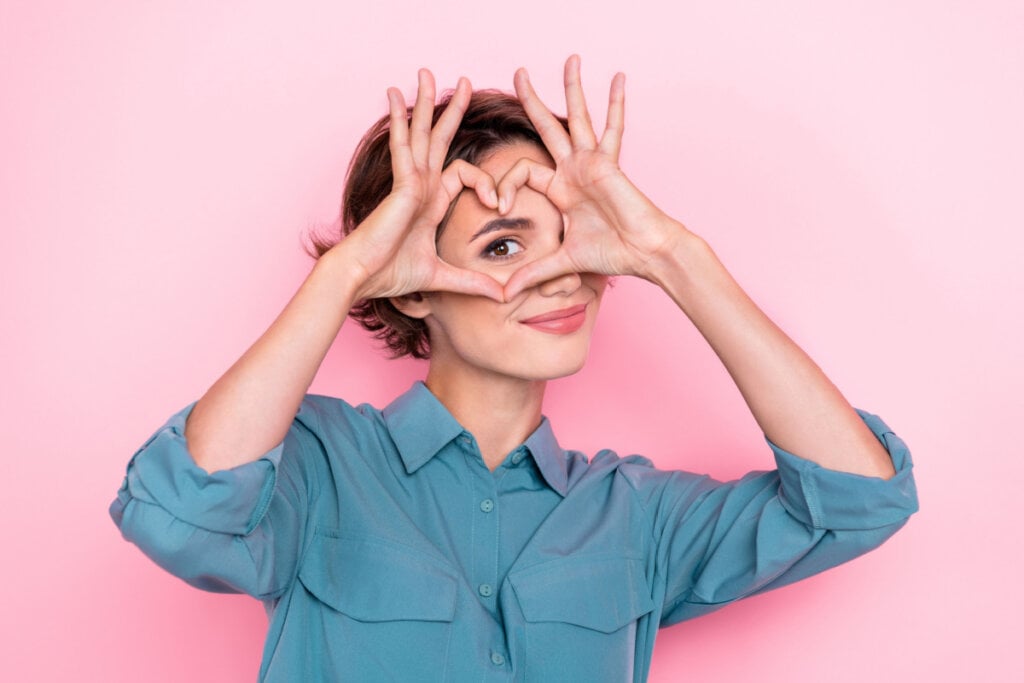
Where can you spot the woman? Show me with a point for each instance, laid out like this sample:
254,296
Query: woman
449,536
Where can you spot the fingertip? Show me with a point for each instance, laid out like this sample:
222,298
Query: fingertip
467,88
426,80
396,100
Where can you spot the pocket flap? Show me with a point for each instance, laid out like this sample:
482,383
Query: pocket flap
603,593
372,580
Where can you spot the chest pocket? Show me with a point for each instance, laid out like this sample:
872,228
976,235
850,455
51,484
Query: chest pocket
581,615
386,609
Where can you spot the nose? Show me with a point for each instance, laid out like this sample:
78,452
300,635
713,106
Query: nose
563,285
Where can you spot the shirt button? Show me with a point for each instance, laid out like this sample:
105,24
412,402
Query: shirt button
485,589
517,457
487,505
497,658
464,439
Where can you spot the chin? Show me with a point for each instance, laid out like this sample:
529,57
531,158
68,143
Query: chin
568,370
551,367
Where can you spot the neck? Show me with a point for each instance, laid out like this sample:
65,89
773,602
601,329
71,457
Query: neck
499,411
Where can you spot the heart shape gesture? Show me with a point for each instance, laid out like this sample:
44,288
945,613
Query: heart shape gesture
611,228
394,248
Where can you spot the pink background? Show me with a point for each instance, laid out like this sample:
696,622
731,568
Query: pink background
860,169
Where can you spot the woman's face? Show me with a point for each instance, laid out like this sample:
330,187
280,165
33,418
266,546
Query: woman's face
474,333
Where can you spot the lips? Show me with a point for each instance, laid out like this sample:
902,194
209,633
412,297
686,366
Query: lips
564,321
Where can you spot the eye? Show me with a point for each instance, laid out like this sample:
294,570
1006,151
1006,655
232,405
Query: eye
502,248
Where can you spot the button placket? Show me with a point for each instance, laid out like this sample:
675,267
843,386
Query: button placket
484,568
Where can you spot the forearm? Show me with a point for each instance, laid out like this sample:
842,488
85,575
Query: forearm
792,400
250,408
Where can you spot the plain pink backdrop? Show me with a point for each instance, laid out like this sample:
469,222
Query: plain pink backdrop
859,167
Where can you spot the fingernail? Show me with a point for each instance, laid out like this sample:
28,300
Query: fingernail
502,205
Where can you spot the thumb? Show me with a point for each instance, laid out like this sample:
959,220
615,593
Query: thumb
541,270
448,278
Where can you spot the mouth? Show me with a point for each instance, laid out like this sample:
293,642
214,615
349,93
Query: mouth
563,321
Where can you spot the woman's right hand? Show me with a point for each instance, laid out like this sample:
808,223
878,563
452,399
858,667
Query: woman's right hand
392,252
251,407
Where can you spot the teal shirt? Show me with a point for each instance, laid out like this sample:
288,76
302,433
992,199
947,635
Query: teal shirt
384,549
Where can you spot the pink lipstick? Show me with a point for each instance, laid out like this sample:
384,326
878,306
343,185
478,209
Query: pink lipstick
564,321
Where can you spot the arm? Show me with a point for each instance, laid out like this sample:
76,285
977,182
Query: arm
220,495
612,228
250,408
794,403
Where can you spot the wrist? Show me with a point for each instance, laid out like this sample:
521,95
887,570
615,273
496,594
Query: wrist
678,251
343,271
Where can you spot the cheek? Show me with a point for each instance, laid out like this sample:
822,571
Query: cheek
598,283
462,314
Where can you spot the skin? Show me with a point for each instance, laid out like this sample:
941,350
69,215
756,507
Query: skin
481,354
590,221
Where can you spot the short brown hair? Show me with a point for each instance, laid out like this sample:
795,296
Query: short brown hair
492,120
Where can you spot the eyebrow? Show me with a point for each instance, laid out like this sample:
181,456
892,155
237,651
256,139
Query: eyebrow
503,224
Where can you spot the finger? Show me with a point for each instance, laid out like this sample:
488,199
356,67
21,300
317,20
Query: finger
448,123
580,127
550,129
398,136
527,172
541,270
611,140
448,278
422,117
462,174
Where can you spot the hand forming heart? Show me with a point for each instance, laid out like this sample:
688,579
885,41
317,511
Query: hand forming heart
601,208
394,246
611,228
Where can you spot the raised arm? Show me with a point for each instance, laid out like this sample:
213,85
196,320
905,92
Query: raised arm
250,408
612,228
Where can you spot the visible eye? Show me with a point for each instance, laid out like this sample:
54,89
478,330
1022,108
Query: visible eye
502,248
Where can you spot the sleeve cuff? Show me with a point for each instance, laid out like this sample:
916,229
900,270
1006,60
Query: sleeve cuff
828,499
232,501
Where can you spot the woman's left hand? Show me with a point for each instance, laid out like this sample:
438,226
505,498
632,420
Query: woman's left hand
610,227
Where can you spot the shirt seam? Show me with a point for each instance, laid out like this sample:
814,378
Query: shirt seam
680,596
810,495
309,526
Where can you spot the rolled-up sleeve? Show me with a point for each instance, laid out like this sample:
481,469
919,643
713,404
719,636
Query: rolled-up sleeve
229,531
827,499
722,542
